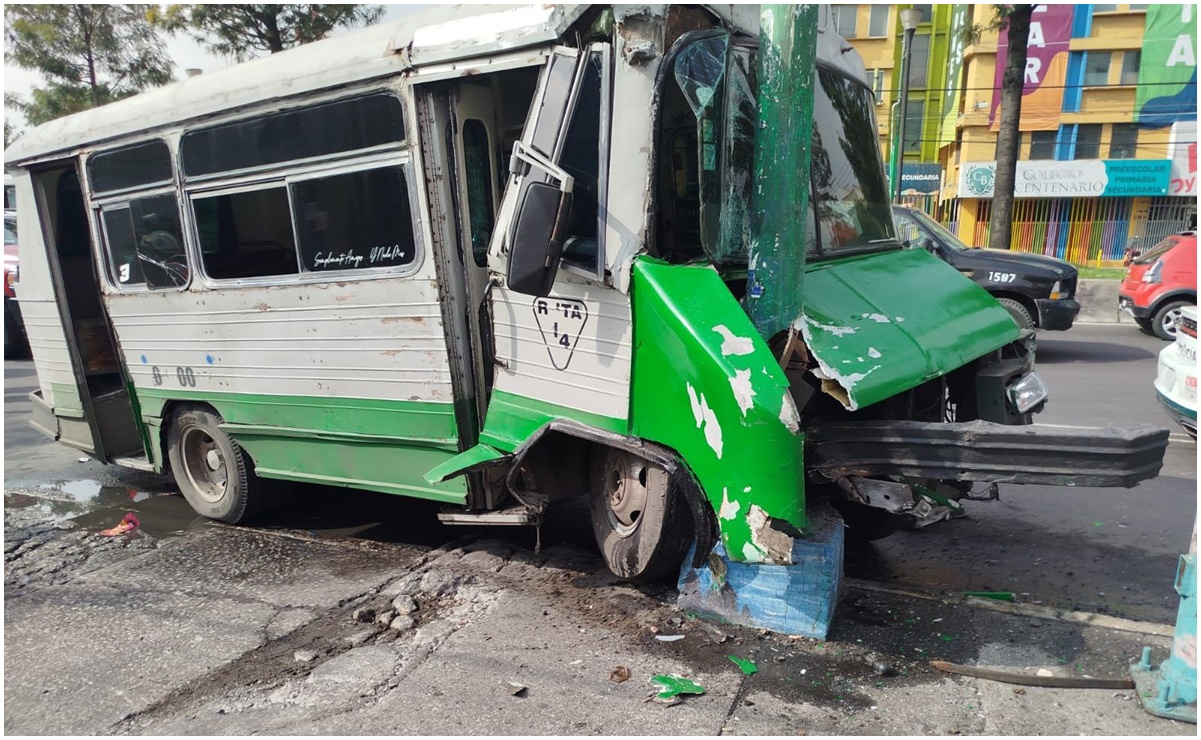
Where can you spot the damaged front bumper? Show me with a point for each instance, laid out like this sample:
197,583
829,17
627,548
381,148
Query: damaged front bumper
986,452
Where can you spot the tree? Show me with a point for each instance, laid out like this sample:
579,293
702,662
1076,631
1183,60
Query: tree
242,31
1016,18
89,54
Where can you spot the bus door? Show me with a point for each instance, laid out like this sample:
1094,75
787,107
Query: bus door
476,176
70,331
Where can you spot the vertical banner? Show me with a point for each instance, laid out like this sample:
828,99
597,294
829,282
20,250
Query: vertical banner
1167,75
1046,68
960,18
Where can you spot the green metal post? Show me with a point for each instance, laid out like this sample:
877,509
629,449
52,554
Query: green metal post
787,64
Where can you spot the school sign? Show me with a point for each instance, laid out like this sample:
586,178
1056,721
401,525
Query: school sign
1082,178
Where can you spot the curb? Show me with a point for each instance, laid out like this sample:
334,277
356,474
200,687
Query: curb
1099,302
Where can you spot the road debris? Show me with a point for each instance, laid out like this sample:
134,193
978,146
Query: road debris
995,595
514,688
668,689
1024,679
747,667
620,674
883,668
128,524
668,638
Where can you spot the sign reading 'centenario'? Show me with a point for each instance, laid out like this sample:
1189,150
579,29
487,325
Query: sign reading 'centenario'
1082,178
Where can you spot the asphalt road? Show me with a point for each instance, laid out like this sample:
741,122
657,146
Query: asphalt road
1110,551
189,627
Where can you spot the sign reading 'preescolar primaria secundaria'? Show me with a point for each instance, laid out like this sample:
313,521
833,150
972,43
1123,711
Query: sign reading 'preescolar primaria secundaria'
1081,178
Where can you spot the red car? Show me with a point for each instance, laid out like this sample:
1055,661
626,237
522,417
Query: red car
1161,282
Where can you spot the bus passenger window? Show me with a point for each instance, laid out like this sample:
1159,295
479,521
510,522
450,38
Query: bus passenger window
144,242
354,221
246,234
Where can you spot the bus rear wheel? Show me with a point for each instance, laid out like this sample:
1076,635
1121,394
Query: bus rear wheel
641,521
212,471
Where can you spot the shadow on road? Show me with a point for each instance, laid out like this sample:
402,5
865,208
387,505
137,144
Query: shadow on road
1050,353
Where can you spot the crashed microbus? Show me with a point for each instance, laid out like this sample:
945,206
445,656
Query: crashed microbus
505,258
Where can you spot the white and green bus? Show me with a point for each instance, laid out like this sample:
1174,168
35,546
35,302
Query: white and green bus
504,258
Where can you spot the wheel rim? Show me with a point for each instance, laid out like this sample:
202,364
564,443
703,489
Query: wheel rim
204,464
1169,322
625,494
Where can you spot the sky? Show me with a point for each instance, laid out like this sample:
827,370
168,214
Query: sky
183,50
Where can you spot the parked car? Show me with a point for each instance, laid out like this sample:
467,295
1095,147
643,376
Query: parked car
1176,378
16,344
1038,291
1160,283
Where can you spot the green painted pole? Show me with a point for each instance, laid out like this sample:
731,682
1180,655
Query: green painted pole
780,202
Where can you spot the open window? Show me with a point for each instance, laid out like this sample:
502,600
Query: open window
560,171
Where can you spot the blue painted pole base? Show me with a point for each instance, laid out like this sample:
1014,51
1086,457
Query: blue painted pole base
793,599
1170,689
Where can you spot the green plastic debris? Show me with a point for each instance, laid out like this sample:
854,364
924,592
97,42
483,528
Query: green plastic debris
670,687
1098,524
997,595
748,668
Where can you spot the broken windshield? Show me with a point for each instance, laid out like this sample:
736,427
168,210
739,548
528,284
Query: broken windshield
849,191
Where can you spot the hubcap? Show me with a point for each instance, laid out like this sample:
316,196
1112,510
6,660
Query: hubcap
625,493
1169,322
204,464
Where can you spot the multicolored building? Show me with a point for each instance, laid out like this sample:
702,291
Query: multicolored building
1108,121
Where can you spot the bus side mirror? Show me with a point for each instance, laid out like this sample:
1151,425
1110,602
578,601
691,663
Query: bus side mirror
539,225
538,239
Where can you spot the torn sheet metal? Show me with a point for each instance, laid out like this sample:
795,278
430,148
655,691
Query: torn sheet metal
873,336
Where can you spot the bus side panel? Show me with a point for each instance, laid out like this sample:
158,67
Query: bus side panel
566,355
59,409
340,383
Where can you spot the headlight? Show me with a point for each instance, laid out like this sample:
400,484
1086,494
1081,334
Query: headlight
1057,291
1027,392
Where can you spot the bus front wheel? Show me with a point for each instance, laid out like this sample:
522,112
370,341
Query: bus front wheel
640,519
212,471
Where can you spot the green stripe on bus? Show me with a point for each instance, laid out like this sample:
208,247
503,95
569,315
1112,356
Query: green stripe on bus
513,418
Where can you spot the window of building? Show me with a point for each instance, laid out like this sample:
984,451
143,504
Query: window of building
1130,64
878,84
877,24
134,166
845,20
1088,141
1096,68
919,63
914,118
319,130
246,234
144,243
1138,6
927,12
1123,141
354,220
1104,8
1042,144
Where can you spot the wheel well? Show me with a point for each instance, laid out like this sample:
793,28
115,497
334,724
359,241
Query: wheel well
1166,299
1027,302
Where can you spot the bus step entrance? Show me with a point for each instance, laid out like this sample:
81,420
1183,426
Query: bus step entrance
512,516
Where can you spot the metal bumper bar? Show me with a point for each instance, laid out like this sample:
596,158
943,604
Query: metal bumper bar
986,452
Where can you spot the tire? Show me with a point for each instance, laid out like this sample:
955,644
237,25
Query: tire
1163,324
1021,315
867,523
212,471
1145,325
641,521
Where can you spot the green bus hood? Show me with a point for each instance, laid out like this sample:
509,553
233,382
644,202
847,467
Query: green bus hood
883,323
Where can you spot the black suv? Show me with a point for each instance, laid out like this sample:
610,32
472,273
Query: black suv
1038,291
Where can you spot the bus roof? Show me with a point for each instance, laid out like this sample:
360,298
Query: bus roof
442,34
